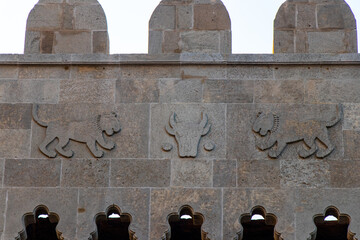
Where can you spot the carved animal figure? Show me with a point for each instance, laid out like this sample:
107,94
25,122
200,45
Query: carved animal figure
88,131
283,131
188,134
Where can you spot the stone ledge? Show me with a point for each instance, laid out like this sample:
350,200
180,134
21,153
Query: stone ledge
180,59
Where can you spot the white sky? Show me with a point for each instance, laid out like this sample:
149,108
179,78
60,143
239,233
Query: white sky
252,24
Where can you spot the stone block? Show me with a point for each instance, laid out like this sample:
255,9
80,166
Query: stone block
277,201
224,173
151,72
32,42
211,17
305,173
284,41
8,72
160,115
306,16
134,201
180,90
242,141
15,116
351,116
285,17
228,91
332,91
314,201
298,72
241,72
73,42
301,42
225,42
140,173
45,73
24,91
2,211
185,16
163,18
89,17
62,201
200,41
335,16
94,173
101,72
255,173
279,91
68,17
351,143
203,72
46,42
351,41
131,142
100,42
32,173
191,173
326,42
92,91
137,91
15,143
155,42
204,201
171,42
47,16
344,174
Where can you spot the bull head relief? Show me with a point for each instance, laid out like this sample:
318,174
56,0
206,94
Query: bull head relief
188,134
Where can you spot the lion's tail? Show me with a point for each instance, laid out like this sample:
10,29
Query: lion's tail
36,117
338,116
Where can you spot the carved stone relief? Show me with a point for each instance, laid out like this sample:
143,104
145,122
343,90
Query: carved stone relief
90,131
188,135
185,224
278,131
40,225
332,225
112,224
258,225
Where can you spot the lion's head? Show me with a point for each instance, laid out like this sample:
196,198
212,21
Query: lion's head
264,123
109,123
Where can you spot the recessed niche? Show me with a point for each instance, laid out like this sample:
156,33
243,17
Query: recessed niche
40,225
332,225
258,225
113,225
185,224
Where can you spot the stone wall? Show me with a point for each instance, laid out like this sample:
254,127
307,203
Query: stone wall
222,133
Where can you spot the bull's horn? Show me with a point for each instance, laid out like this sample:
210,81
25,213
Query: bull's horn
204,120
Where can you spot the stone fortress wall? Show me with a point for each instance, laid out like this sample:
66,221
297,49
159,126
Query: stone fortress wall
200,126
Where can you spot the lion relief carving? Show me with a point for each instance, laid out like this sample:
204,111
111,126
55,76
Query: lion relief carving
90,131
277,131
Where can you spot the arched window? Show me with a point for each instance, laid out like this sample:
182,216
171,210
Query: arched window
40,225
113,225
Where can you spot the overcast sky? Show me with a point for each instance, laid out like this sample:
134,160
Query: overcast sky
252,24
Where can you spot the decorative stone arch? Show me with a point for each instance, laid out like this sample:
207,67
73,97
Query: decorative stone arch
315,26
108,227
190,26
67,27
40,225
188,227
336,227
262,227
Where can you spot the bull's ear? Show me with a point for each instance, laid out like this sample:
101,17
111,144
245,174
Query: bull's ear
258,115
173,120
170,130
206,130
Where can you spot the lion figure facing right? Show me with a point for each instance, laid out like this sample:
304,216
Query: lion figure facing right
280,132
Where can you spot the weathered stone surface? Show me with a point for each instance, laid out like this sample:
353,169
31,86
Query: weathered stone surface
203,72
163,17
228,91
326,42
257,173
180,90
32,173
211,17
241,72
155,42
15,143
279,91
94,173
184,17
32,42
15,116
191,173
44,16
277,201
130,142
335,16
204,201
135,201
99,72
160,114
89,17
140,173
351,143
46,73
314,201
92,91
284,41
61,201
224,173
298,72
285,17
171,42
137,91
305,173
344,173
72,42
200,41
2,211
100,42
351,116
151,72
306,16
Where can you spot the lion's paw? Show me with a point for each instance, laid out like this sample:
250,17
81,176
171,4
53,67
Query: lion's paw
273,154
99,154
